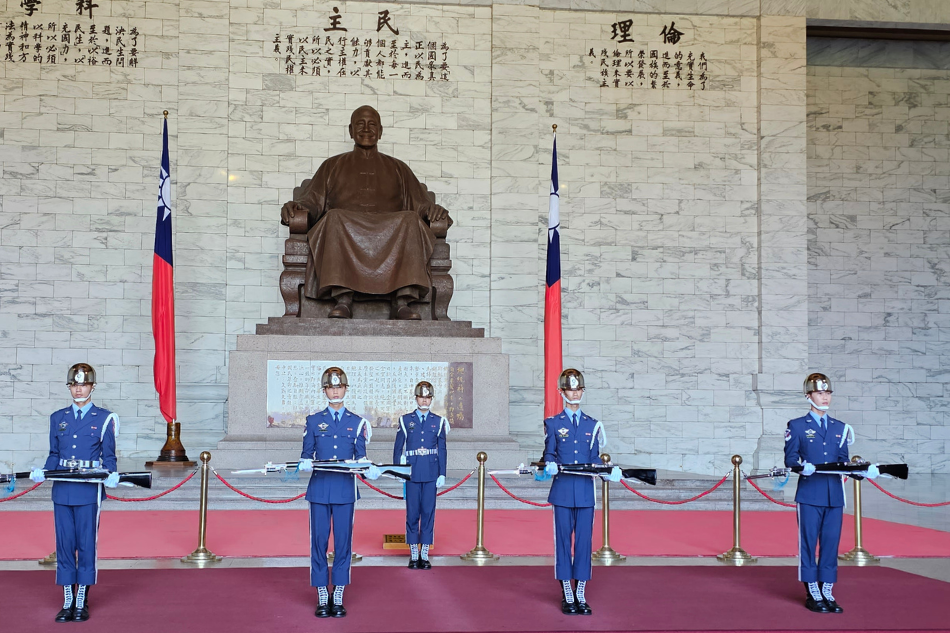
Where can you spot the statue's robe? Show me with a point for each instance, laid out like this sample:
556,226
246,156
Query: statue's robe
368,234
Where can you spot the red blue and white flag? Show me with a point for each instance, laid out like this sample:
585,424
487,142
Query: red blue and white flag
552,301
163,293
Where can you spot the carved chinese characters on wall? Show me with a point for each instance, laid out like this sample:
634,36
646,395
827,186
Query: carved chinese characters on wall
78,43
662,60
338,51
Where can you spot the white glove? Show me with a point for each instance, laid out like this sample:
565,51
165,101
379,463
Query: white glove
373,472
615,475
38,475
808,469
305,465
112,480
440,481
550,468
873,472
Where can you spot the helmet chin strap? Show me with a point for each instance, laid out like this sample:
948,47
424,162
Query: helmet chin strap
578,401
817,406
422,408
334,400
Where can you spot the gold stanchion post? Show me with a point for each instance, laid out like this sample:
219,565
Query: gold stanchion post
858,555
479,554
606,555
49,560
736,556
201,556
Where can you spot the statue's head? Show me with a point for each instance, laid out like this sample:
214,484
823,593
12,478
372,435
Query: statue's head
366,128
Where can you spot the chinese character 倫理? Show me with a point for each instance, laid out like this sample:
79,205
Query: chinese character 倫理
670,34
623,30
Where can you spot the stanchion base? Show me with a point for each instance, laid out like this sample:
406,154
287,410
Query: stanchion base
354,557
201,556
607,556
479,556
736,556
859,557
49,560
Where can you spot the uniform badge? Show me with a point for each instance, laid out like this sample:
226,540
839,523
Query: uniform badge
810,433
412,425
94,428
323,426
63,425
349,428
562,432
788,434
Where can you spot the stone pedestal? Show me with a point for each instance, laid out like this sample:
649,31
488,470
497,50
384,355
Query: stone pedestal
250,442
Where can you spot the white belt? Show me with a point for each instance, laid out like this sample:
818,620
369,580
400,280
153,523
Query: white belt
423,451
79,463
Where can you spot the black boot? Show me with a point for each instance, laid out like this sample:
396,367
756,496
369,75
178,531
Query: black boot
816,605
833,605
69,602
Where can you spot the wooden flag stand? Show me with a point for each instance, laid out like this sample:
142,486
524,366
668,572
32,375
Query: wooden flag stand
173,453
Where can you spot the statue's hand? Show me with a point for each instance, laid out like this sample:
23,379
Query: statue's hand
289,211
435,213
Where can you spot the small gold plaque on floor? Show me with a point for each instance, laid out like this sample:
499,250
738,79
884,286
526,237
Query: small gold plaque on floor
398,541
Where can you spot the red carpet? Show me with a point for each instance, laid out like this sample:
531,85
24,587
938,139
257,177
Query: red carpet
163,534
471,599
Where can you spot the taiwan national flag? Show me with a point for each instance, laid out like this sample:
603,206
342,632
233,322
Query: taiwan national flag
163,293
552,301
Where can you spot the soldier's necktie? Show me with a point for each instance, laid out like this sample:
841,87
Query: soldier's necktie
575,420
423,419
336,417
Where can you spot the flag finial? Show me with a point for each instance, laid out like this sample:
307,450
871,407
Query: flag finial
165,112
554,127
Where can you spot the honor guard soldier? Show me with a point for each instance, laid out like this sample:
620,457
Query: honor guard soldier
818,438
333,434
572,437
80,436
420,442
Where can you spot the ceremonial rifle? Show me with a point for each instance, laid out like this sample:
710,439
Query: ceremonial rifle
85,475
858,470
646,475
348,466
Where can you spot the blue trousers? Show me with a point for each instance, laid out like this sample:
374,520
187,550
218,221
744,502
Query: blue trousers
420,512
576,524
818,526
321,515
77,528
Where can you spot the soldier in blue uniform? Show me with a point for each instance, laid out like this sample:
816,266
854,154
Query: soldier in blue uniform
420,442
573,437
333,433
818,438
80,436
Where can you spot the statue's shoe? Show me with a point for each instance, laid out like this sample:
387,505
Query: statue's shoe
405,313
341,311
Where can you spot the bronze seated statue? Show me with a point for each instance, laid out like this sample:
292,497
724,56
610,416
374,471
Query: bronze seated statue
367,239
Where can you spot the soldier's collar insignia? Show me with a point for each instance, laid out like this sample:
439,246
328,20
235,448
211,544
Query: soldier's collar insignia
810,432
323,426
94,428
563,432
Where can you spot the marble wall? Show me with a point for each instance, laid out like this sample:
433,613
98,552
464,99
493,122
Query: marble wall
685,243
879,243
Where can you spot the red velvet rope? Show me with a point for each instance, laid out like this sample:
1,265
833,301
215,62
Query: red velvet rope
892,496
20,494
153,497
252,497
516,498
450,489
674,503
382,492
766,495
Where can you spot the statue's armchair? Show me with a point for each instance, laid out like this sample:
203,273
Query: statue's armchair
434,306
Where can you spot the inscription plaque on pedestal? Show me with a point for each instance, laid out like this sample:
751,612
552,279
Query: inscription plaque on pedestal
379,391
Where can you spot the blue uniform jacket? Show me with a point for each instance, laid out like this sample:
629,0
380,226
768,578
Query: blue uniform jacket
806,441
413,435
90,439
324,440
566,445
